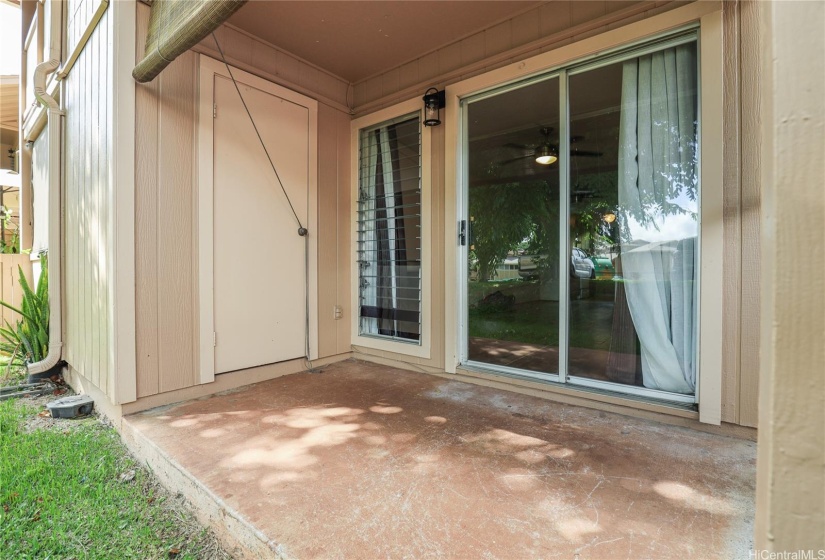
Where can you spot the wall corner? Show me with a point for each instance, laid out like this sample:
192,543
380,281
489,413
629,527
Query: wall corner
122,358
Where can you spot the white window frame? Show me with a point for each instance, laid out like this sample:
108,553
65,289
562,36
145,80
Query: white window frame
421,350
709,17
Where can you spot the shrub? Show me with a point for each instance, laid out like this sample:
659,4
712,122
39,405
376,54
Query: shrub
27,342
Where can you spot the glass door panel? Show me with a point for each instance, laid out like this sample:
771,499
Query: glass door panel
513,218
633,222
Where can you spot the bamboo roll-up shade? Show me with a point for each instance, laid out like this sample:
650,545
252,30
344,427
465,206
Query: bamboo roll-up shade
175,26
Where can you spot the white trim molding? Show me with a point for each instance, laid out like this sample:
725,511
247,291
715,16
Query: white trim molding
421,350
711,239
208,69
123,355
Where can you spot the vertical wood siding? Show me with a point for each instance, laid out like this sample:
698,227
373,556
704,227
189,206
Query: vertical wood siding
741,212
166,249
166,227
79,13
333,230
750,68
88,201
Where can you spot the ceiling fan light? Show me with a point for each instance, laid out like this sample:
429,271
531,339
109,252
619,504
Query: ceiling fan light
545,156
546,160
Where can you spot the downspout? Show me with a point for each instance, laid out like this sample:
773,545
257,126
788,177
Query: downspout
55,123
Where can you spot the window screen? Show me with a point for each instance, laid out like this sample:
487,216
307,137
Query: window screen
389,230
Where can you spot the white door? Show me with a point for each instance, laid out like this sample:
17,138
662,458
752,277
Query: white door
259,259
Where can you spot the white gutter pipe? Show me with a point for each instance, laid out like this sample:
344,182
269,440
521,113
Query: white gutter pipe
54,116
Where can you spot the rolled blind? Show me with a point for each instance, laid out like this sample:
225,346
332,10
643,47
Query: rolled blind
389,230
176,26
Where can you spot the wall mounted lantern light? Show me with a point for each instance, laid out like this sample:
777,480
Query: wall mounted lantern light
609,217
434,100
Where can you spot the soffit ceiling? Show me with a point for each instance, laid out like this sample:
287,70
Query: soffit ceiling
355,40
8,103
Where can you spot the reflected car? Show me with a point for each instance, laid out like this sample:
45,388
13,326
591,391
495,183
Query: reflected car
603,267
582,265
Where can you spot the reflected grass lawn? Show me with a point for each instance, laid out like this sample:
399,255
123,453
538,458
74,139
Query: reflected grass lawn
533,321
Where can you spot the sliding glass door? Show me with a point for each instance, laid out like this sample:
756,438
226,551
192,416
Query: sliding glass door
513,206
582,207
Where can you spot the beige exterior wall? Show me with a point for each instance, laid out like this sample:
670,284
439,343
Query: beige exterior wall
536,32
88,201
166,243
333,230
790,485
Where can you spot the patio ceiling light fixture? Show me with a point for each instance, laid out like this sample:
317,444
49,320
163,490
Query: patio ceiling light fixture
434,100
545,155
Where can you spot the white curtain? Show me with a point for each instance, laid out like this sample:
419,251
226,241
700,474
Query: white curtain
378,261
389,270
657,202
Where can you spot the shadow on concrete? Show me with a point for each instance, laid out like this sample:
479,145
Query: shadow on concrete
365,461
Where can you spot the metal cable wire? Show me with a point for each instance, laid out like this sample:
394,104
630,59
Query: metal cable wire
251,120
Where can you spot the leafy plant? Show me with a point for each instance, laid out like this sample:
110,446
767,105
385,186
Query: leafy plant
511,216
11,246
27,342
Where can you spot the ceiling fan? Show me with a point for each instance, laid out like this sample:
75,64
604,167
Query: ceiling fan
547,153
580,195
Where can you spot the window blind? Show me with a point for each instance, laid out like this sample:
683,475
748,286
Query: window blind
389,230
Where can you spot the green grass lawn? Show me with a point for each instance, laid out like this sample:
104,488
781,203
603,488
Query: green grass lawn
533,321
63,495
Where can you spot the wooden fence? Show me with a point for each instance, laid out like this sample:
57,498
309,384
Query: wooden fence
10,290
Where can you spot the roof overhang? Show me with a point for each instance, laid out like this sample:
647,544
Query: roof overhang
355,40
9,103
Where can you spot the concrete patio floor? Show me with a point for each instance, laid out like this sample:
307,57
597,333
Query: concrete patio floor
366,461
